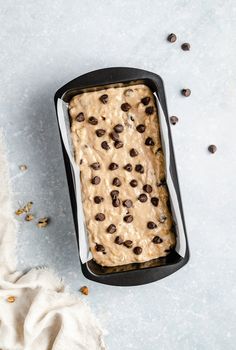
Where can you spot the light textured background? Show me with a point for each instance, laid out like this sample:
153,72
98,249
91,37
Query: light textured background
46,44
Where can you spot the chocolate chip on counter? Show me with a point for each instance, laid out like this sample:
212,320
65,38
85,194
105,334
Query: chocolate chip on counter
118,144
95,166
104,98
151,225
116,202
113,166
133,152
155,201
127,203
118,128
116,182
128,243
105,145
141,128
172,38
145,101
137,250
149,142
147,188
80,117
142,197
128,92
125,107
100,132
186,92
212,148
128,218
98,199
157,240
185,46
128,167
162,219
133,183
100,217
149,110
111,228
114,194
95,180
174,120
92,120
139,168
99,248
114,136
118,240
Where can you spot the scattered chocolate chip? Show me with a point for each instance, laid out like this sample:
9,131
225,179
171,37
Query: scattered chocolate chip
81,161
161,183
149,110
162,219
99,248
159,150
142,197
116,182
80,117
127,203
103,118
111,228
133,183
174,120
100,132
157,240
151,225
141,128
128,167
139,168
137,250
128,218
125,107
95,180
133,152
186,92
172,38
128,243
100,217
185,46
105,145
128,92
118,128
116,202
92,120
95,166
132,118
98,199
113,166
118,144
147,188
145,101
149,142
104,98
118,240
212,148
114,136
155,201
114,194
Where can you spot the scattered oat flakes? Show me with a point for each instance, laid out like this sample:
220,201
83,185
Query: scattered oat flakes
43,222
19,211
29,217
84,290
23,167
11,299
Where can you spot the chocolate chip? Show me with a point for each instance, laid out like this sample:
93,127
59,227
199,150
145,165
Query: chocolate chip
128,218
118,144
118,240
161,183
132,118
142,197
174,120
139,168
128,243
149,142
114,136
155,201
133,152
125,107
81,161
98,199
128,167
104,98
100,132
145,101
149,110
172,38
141,128
95,166
113,166
162,219
147,188
111,228
95,180
157,240
114,194
116,202
133,183
137,250
99,248
151,225
100,217
127,203
128,92
118,128
185,46
92,120
116,182
212,148
186,92
80,117
105,145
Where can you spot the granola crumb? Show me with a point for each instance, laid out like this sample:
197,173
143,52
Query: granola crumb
43,222
23,167
84,290
19,211
27,207
11,299
29,217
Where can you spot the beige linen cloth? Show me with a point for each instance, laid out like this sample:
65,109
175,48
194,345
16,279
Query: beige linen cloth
43,316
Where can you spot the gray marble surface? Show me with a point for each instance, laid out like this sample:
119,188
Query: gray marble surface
46,44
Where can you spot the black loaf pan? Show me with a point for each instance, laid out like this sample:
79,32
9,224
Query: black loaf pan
136,273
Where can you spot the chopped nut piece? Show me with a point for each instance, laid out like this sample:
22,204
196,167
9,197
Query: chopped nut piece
11,299
43,222
84,290
29,217
23,167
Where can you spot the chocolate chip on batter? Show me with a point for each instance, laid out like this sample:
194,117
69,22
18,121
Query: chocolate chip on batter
162,219
133,152
128,218
118,128
128,92
131,118
212,148
172,38
139,168
99,248
127,203
113,166
128,243
161,183
133,183
118,240
128,167
157,240
185,46
147,188
114,194
80,117
149,142
100,132
116,182
100,217
92,120
141,128
95,180
149,110
186,92
111,228
98,199
95,166
114,136
142,197
145,101
137,250
118,144
116,202
155,201
104,98
151,225
125,107
81,161
103,118
105,145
